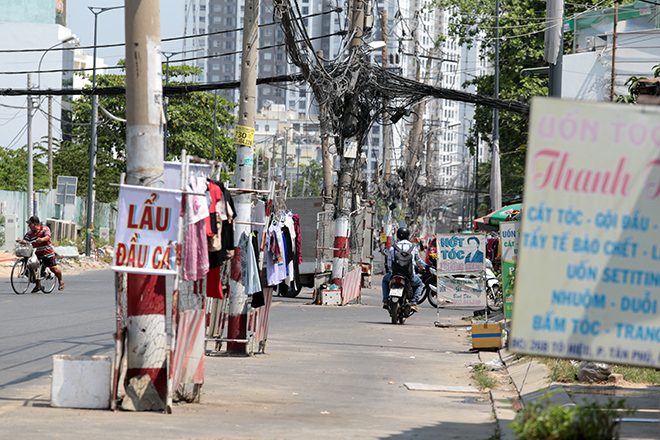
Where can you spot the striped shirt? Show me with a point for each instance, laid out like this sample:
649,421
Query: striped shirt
43,249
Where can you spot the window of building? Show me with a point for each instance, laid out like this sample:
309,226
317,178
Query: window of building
267,128
267,68
268,56
278,69
229,9
215,78
229,45
216,43
305,10
217,19
302,105
202,19
229,21
227,78
217,8
202,8
268,32
229,68
215,66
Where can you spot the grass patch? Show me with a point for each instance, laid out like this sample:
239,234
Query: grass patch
566,372
482,378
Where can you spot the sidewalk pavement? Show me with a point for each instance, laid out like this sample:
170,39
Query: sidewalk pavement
531,380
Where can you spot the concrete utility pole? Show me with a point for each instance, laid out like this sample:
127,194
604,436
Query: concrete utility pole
30,169
147,338
495,174
387,128
350,152
326,157
244,137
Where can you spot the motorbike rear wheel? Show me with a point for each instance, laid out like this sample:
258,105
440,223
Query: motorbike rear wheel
394,311
433,297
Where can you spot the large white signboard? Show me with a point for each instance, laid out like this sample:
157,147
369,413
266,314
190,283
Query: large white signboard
147,225
461,261
588,280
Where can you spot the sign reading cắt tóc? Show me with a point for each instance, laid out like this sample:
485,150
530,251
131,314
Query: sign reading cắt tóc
587,284
147,224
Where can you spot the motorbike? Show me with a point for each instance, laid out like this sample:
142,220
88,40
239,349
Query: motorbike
400,300
493,291
430,279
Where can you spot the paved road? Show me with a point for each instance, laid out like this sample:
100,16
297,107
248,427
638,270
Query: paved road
328,372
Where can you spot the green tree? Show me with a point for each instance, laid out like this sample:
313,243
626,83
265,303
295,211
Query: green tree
13,168
190,127
522,24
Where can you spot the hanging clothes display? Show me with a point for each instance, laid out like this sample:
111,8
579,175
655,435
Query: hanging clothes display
220,233
296,228
196,259
249,269
275,256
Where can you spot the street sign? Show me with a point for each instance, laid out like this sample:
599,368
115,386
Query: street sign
66,190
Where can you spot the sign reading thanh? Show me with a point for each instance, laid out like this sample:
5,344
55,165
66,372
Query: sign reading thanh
588,281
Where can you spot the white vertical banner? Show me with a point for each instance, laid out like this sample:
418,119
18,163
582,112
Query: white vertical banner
588,280
147,224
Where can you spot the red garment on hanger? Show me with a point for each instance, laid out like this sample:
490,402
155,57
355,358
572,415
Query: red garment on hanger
216,195
213,284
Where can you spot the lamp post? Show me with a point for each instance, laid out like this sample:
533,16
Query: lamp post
92,143
68,39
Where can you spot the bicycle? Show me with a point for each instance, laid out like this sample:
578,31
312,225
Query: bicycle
26,272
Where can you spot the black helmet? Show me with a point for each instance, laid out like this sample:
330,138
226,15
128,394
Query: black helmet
402,233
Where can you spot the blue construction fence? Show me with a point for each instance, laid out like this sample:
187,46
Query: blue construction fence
14,202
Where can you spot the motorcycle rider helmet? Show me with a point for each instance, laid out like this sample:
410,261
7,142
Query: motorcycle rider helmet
402,233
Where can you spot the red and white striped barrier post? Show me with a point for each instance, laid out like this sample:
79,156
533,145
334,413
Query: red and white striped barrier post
147,339
340,253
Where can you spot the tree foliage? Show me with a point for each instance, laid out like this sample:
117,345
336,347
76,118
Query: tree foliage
521,40
190,127
13,168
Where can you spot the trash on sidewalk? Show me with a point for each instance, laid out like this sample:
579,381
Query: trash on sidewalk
487,335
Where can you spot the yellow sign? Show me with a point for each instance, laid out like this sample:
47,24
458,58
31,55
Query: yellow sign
587,284
244,135
383,237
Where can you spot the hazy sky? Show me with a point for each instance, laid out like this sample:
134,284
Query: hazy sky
110,28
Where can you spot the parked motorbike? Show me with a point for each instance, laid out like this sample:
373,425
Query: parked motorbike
400,300
493,290
430,279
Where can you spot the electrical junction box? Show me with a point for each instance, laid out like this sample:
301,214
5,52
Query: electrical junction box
331,297
487,335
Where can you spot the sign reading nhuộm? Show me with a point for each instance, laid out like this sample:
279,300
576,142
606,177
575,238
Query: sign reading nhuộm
509,241
147,224
461,263
587,283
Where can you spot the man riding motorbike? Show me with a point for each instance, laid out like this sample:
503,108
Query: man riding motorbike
404,245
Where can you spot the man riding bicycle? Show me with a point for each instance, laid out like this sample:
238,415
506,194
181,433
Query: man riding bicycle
39,237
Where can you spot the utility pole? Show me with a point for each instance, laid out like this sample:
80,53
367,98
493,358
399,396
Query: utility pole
387,128
495,174
147,338
50,142
346,178
244,137
30,169
326,157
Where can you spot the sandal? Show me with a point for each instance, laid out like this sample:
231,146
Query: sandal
61,286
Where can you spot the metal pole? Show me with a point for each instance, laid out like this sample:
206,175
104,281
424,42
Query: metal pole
166,102
215,123
30,182
238,300
298,171
50,142
495,175
92,150
616,20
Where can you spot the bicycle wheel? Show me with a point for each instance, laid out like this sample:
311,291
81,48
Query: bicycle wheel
47,280
20,277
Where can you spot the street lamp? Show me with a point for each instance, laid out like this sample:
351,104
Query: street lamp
68,39
92,143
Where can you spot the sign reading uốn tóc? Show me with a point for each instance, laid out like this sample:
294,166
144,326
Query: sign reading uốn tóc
147,226
588,281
